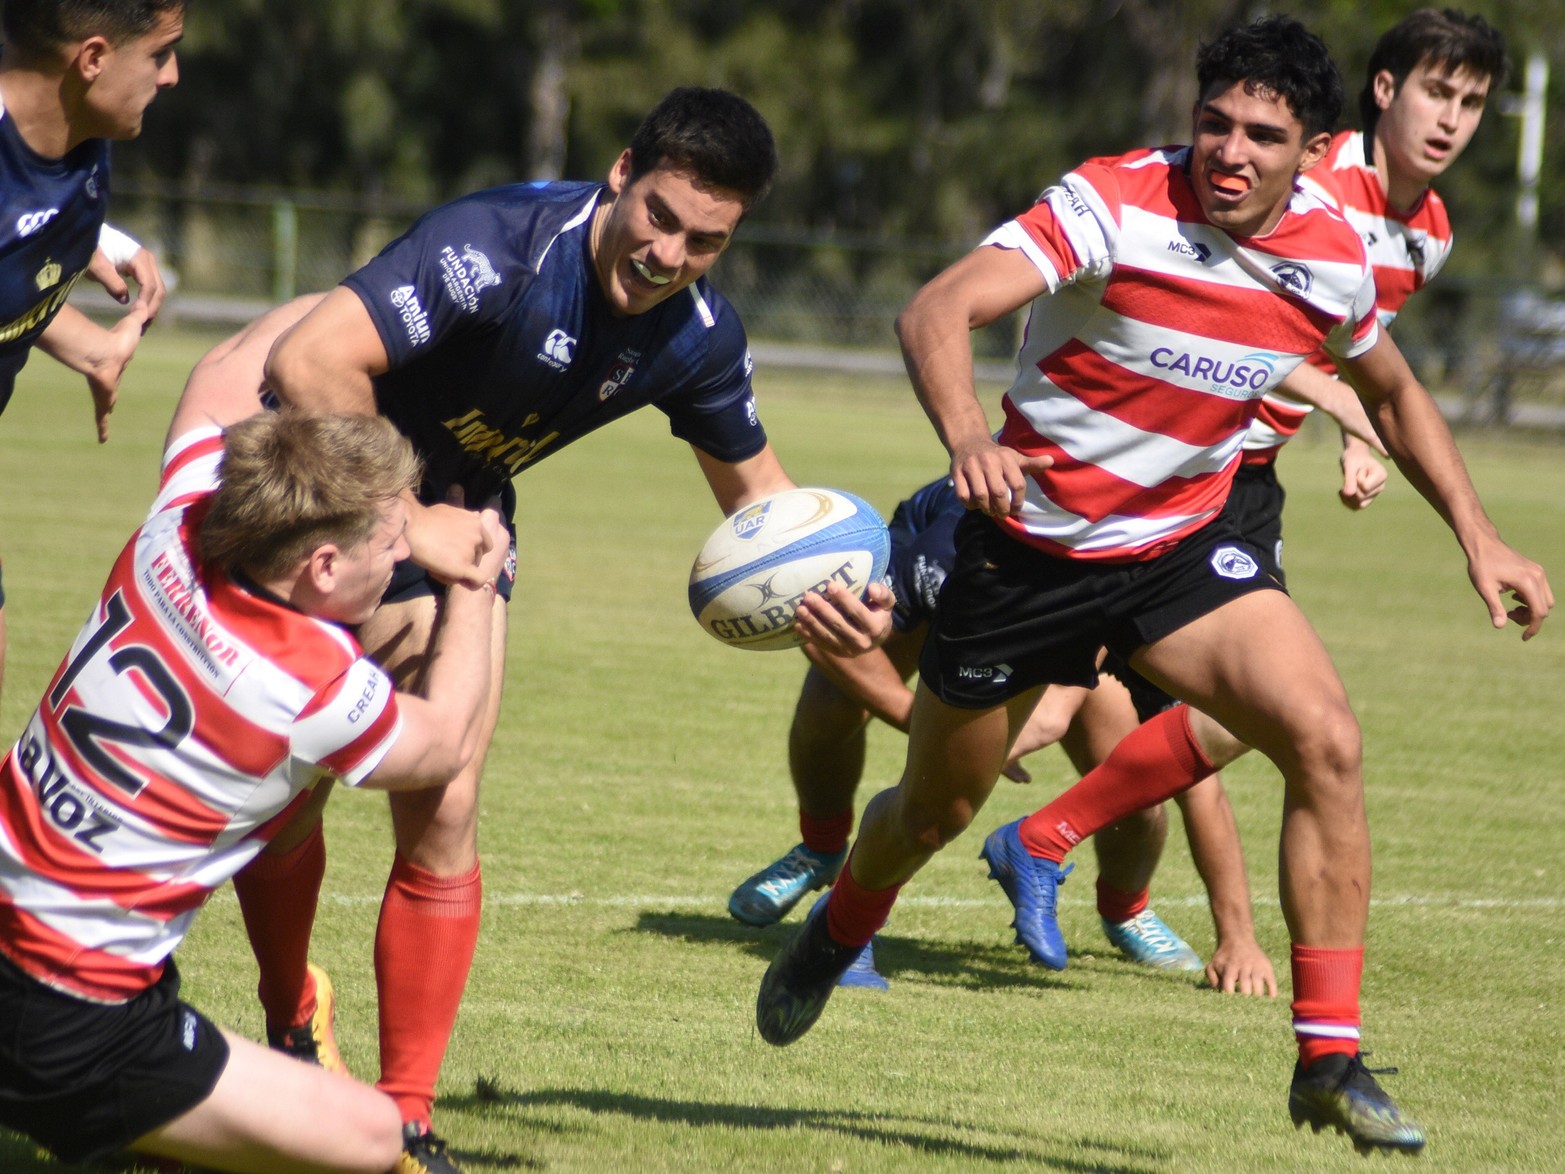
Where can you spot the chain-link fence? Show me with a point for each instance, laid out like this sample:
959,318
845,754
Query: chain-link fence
1492,352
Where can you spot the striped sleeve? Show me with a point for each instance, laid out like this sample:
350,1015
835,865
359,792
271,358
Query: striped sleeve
189,469
349,724
1070,233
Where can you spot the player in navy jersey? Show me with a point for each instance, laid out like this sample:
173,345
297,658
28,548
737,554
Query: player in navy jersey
826,743
74,74
1096,518
501,327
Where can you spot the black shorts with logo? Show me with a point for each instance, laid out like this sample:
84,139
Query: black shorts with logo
86,1079
1255,509
1012,617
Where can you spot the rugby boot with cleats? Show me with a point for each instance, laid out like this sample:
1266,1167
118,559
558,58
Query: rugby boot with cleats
1031,883
862,973
423,1152
766,897
800,979
1147,940
314,1042
1338,1092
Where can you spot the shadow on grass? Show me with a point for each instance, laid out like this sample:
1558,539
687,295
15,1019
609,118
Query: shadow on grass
911,1133
966,965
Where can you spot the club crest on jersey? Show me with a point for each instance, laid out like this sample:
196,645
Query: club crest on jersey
1232,563
1295,278
748,522
49,275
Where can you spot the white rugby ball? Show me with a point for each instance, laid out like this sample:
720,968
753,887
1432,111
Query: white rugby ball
760,562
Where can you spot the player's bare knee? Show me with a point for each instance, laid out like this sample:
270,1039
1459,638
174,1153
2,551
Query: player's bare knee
1329,745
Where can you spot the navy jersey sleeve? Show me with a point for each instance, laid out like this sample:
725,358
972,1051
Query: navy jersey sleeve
454,272
716,410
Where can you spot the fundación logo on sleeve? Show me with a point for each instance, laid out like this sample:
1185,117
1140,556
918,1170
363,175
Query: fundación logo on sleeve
1232,563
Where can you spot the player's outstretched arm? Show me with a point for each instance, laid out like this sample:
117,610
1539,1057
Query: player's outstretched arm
935,332
1311,385
1417,437
99,354
441,730
226,383
872,680
1238,965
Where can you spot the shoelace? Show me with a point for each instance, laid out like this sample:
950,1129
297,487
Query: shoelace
1156,934
797,865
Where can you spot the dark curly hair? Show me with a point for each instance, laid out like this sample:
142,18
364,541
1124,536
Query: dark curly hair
715,135
1278,55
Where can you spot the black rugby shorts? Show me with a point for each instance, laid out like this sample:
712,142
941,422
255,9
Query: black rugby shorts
86,1079
1012,617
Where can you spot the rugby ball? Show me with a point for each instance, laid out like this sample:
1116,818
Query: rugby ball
760,562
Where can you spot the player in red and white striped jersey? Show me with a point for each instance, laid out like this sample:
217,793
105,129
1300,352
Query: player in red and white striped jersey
214,684
1422,100
1170,289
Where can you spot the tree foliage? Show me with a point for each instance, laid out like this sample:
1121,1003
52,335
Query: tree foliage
896,118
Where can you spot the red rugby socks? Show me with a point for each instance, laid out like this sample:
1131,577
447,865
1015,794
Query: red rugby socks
1156,760
854,913
277,895
1326,1001
828,835
423,950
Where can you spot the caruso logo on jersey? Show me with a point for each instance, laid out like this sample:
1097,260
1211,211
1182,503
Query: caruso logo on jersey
466,274
1244,378
416,322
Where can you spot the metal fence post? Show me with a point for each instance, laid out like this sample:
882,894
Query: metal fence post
285,250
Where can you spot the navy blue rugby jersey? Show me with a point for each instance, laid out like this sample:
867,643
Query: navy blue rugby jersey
923,549
50,214
503,349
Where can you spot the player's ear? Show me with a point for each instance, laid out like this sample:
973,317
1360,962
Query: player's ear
321,568
1315,149
1385,87
619,174
90,56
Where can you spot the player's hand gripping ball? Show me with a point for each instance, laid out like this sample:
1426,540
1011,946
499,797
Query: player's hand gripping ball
760,562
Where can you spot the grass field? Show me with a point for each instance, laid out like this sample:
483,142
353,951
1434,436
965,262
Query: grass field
639,773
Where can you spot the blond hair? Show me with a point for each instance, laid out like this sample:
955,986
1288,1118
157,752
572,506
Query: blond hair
291,482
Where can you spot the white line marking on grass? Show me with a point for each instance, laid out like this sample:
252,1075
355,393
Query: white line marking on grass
715,901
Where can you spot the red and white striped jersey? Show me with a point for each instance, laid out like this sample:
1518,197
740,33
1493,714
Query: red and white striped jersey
1144,362
1406,250
177,737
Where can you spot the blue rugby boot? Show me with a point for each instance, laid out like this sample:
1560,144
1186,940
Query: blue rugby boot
1031,884
1145,939
766,897
862,973
1339,1093
800,979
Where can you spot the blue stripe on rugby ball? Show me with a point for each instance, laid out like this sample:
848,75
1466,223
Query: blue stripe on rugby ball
754,568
